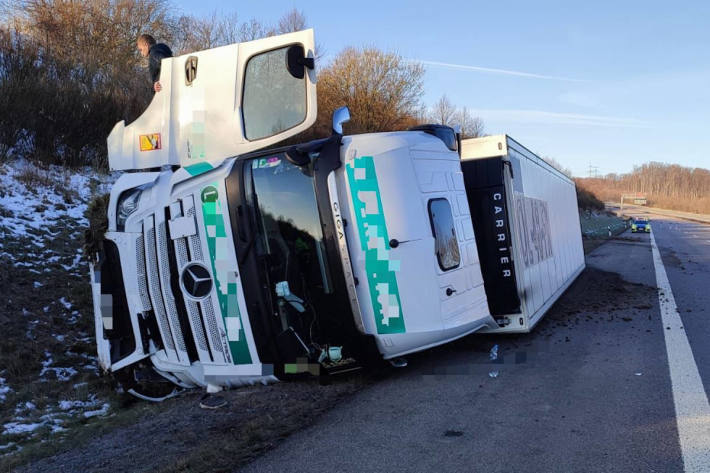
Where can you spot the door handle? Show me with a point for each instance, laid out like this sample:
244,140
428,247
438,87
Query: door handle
190,69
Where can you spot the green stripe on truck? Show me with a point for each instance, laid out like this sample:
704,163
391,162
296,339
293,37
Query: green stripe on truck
225,277
199,168
374,241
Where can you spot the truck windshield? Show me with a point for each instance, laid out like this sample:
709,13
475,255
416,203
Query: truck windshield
289,234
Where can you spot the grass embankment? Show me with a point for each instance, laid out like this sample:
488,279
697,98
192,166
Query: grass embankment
49,384
599,227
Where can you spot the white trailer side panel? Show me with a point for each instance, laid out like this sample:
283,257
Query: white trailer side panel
546,231
537,225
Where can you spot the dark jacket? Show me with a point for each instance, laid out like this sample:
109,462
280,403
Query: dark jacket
156,53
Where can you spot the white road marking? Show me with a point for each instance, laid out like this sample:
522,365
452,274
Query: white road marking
691,403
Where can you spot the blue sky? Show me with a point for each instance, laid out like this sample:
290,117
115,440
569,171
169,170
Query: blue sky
611,84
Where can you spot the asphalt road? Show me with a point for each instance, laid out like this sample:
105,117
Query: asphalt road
589,390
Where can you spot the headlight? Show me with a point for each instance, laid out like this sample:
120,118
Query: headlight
127,204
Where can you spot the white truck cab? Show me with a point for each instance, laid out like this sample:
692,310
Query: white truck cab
227,264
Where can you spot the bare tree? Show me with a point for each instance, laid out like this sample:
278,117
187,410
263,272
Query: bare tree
229,29
557,165
251,30
664,185
196,34
382,90
443,112
292,21
217,29
83,32
471,127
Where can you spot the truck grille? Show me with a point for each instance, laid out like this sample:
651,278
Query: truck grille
189,328
142,282
156,294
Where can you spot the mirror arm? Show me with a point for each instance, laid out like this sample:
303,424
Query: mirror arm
308,62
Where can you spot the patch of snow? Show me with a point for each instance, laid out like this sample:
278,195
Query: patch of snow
77,404
38,284
100,412
77,260
4,390
62,373
67,405
13,428
67,305
35,208
24,406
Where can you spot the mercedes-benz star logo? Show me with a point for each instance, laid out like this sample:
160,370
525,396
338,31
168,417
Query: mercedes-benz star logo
196,281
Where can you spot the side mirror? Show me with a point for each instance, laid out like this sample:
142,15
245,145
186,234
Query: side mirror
340,116
297,62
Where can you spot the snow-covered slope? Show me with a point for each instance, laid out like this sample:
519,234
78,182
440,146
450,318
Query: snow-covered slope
48,370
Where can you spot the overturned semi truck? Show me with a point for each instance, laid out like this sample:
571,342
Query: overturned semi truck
226,263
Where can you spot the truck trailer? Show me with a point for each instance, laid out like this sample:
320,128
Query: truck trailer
527,228
227,262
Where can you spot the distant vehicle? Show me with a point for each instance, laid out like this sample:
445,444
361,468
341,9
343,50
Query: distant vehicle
641,224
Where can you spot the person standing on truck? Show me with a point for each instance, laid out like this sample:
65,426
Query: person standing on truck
155,52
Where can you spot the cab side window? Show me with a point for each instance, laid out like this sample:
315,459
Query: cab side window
444,232
273,100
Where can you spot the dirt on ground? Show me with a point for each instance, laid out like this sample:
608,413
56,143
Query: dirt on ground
182,436
598,294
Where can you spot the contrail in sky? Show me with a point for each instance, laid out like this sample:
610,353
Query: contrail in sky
465,67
